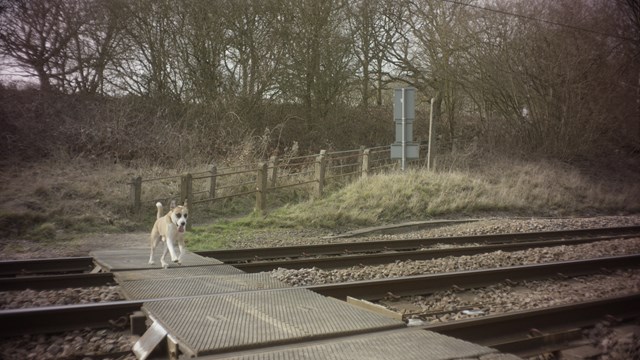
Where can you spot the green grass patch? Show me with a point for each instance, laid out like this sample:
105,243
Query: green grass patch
214,236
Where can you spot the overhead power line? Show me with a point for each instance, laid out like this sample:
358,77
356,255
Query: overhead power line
573,27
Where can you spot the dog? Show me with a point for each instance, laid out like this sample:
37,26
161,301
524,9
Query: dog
170,229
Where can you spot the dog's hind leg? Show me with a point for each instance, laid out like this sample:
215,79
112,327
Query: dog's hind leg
162,261
151,262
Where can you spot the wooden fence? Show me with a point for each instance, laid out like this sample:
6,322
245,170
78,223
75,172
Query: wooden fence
277,173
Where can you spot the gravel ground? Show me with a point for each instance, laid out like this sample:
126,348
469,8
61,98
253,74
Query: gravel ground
315,276
508,296
32,298
79,344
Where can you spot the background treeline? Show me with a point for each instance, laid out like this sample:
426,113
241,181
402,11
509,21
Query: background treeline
169,81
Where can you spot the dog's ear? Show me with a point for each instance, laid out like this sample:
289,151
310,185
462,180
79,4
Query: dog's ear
173,204
185,203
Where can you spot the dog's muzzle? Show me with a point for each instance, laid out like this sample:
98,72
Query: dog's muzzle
181,227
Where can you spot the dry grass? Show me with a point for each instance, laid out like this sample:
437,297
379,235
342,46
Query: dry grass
72,195
54,199
520,188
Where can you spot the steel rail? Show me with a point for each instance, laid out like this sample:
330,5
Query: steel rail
44,266
64,318
343,261
82,264
60,318
241,255
426,284
511,332
86,280
56,281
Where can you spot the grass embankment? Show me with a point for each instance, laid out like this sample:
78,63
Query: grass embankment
58,200
519,189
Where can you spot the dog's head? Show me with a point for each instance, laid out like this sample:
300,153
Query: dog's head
179,216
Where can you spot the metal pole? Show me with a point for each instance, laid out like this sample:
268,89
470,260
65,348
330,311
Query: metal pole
404,140
429,154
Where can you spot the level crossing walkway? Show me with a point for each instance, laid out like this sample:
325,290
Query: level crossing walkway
210,310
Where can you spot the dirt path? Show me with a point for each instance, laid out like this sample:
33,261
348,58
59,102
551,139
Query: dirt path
81,245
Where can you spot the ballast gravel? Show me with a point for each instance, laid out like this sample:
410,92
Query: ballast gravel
316,276
77,344
37,298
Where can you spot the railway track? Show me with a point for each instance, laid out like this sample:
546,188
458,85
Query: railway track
14,268
239,256
75,272
60,318
548,334
532,332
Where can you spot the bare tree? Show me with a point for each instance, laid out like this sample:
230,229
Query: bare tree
368,28
150,67
37,34
255,56
632,8
543,87
427,46
200,44
319,59
95,46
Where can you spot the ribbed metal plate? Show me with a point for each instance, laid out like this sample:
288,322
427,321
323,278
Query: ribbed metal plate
222,323
406,344
177,272
135,259
198,285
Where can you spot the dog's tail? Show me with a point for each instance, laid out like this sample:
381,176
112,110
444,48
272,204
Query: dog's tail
159,206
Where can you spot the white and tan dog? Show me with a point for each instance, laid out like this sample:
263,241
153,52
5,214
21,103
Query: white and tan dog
170,229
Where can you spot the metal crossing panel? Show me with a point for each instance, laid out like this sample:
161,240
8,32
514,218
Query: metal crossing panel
409,344
198,285
228,322
138,259
177,272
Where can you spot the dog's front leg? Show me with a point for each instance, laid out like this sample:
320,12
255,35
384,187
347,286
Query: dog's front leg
164,254
182,249
172,250
181,255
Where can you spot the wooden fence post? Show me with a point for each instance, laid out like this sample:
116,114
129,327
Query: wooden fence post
366,165
186,193
273,164
320,170
261,187
360,156
212,181
136,194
